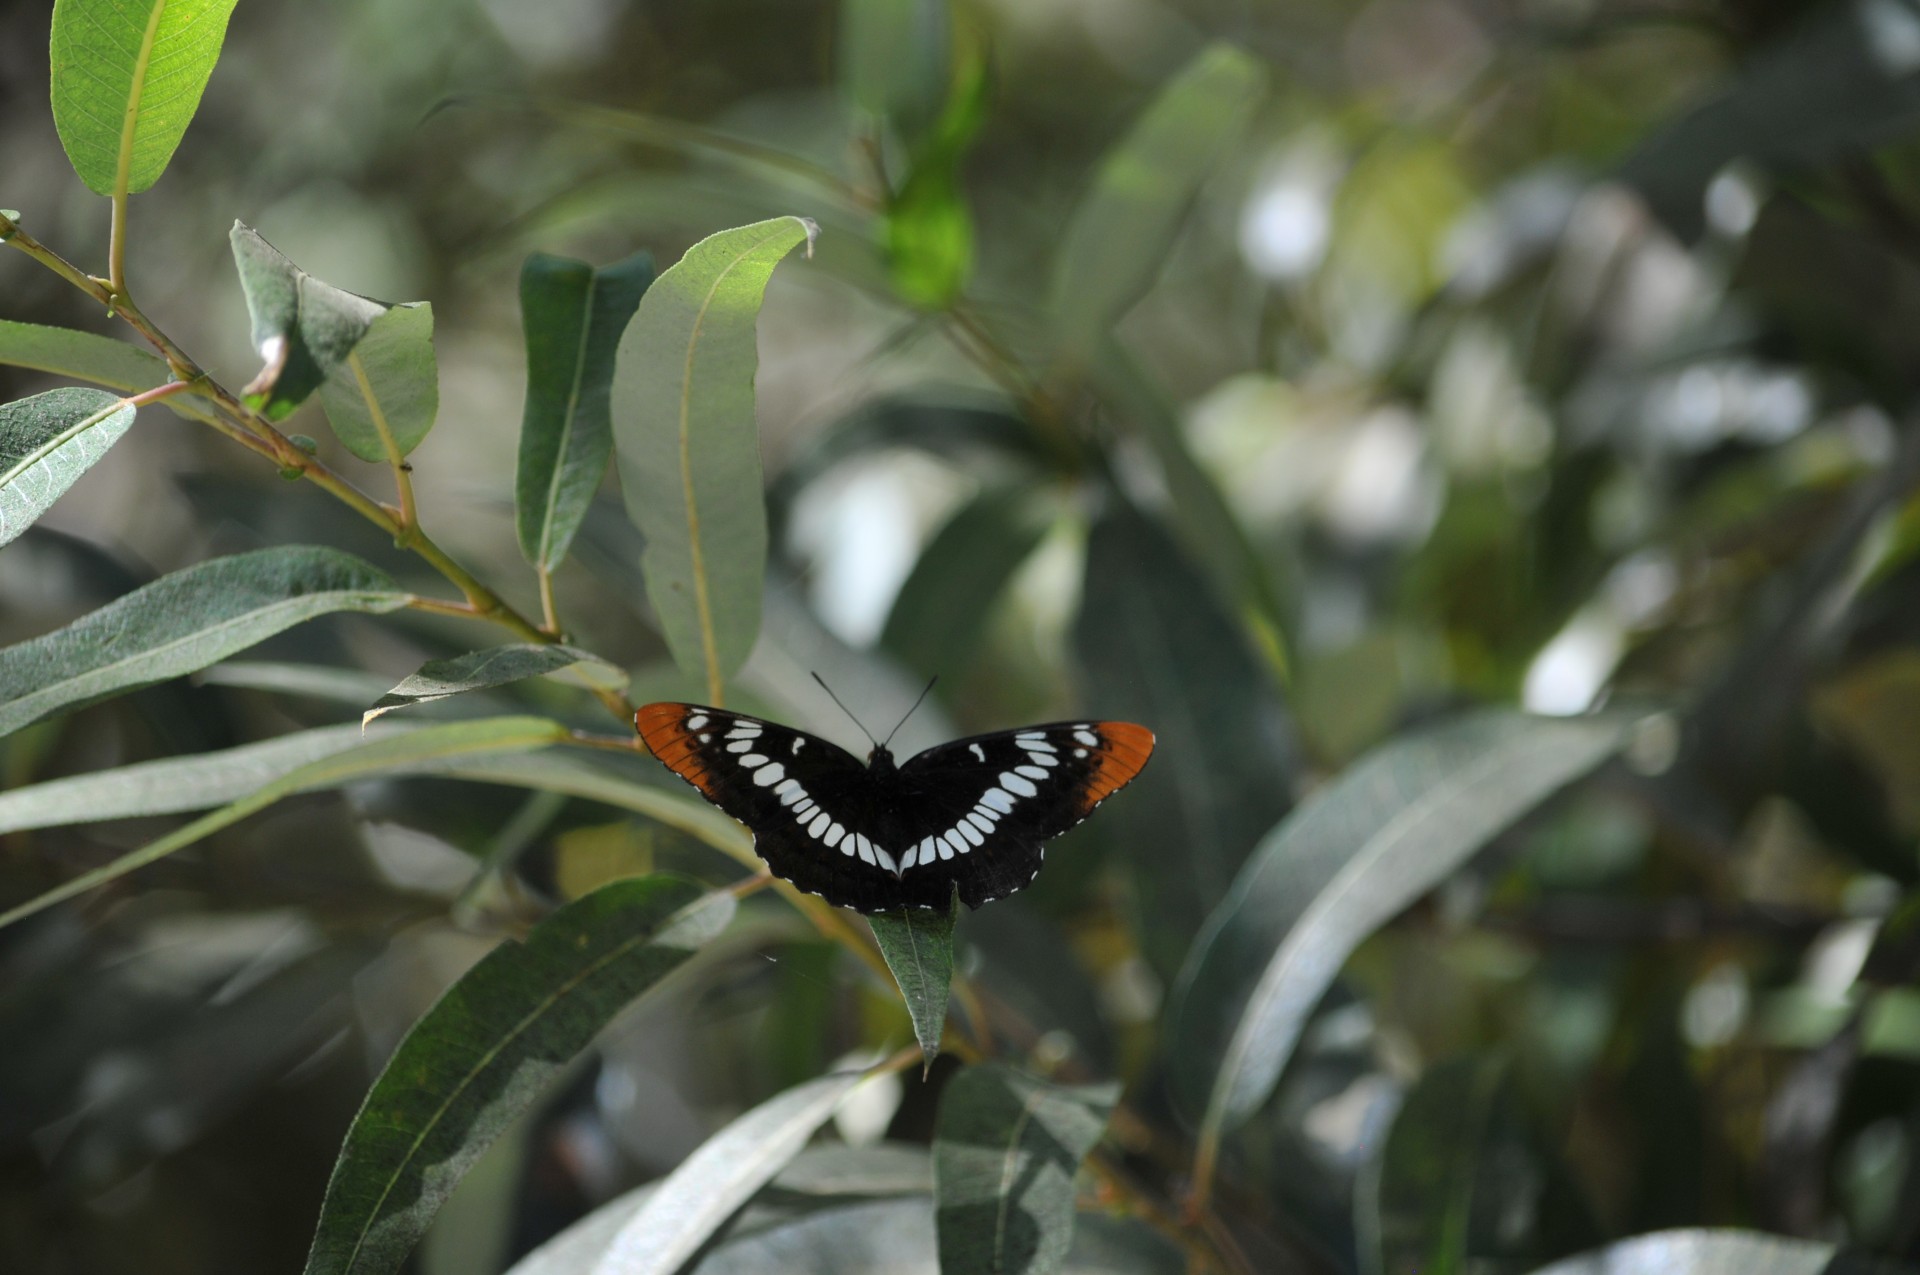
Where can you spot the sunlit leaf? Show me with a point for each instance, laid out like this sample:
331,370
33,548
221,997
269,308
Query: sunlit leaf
929,229
303,329
85,356
573,315
1005,1152
1727,1251
918,946
46,443
382,398
480,670
127,79
182,622
884,1168
689,445
488,1049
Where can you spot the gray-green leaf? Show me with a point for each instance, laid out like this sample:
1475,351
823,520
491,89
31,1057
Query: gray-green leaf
1117,239
487,1049
574,315
1364,847
86,356
689,447
127,78
182,622
893,60
1005,1151
46,443
303,329
479,670
382,398
1718,1251
918,946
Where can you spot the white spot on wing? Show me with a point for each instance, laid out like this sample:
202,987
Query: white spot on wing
819,824
1079,752
977,751
769,774
995,799
980,821
945,847
744,730
1031,772
906,860
971,833
886,860
753,761
797,742
696,721
955,840
1037,743
833,836
1043,759
1018,785
1087,737
864,848
739,745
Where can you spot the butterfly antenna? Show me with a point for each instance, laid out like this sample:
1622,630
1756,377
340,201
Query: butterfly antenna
849,712
916,704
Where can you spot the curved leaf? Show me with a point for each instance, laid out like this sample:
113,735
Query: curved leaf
574,315
398,753
689,448
1365,846
700,1195
1707,1251
918,946
1005,1151
381,399
46,443
182,622
127,78
303,329
479,670
487,1049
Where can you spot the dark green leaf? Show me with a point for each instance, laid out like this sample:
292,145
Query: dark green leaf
83,356
893,60
127,78
918,946
1705,1251
479,670
573,315
303,329
1157,650
941,613
1005,1152
488,1049
183,622
382,398
689,446
46,443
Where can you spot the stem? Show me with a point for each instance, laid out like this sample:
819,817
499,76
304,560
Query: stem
117,241
402,472
155,394
548,611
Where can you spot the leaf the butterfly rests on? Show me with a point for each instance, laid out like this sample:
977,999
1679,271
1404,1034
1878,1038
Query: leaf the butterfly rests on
968,816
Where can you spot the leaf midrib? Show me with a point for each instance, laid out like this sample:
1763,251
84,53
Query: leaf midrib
58,441
565,443
130,122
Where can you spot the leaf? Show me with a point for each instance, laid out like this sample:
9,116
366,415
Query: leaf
699,1196
46,443
689,448
918,946
1118,236
478,670
382,398
928,228
182,622
396,754
307,681
1156,649
1427,1181
893,60
486,1051
303,329
1717,1251
883,1168
127,78
84,356
574,315
1006,1148
1389,829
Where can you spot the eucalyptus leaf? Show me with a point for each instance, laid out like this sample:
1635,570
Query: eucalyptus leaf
46,443
1419,1207
1006,1148
183,622
487,1049
306,681
699,1196
929,229
1118,237
918,946
127,79
381,399
86,356
573,315
1719,1251
893,60
883,1168
689,448
303,329
1366,845
480,670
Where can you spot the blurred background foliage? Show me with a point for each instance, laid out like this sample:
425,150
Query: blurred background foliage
1540,352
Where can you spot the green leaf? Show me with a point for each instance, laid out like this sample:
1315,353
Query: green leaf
893,60
1713,1251
882,1168
307,681
1118,237
413,751
1006,1148
928,228
382,398
1366,845
918,946
574,315
46,443
487,1049
699,1196
689,447
1157,647
182,622
942,612
303,329
85,356
127,78
1418,1209
478,670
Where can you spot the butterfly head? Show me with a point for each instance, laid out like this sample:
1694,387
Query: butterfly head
880,761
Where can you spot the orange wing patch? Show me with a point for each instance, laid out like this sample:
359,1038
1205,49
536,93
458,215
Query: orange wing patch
1122,752
663,729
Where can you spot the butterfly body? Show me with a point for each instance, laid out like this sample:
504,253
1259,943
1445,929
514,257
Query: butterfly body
969,816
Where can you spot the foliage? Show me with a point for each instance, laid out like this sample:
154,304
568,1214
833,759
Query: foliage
1479,445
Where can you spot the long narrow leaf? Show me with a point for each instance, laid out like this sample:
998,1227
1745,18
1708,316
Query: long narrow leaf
1705,1251
689,448
183,622
917,944
46,443
487,1050
481,670
85,356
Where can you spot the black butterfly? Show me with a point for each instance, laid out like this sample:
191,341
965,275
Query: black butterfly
877,837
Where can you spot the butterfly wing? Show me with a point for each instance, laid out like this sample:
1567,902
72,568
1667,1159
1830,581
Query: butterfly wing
978,810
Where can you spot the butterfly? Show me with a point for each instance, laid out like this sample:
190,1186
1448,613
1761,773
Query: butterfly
970,815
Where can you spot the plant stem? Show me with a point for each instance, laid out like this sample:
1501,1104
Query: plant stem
117,237
402,472
549,612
